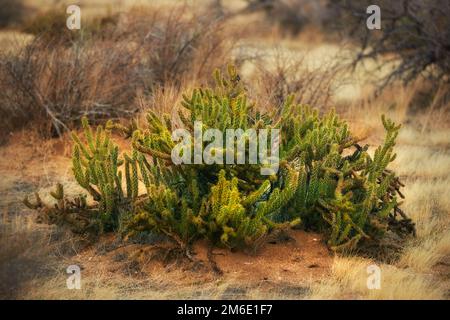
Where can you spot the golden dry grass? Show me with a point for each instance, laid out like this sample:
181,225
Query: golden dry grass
349,281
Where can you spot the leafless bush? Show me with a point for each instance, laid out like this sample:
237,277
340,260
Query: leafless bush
179,45
50,24
414,36
55,81
54,85
12,12
312,85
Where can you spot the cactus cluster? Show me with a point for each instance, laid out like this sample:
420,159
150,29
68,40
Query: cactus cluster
342,189
95,163
231,205
326,181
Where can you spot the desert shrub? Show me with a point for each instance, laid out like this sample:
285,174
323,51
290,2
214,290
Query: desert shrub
344,193
272,83
53,85
414,36
50,25
99,70
232,205
351,196
13,12
180,45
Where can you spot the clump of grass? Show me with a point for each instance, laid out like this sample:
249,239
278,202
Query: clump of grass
349,276
29,251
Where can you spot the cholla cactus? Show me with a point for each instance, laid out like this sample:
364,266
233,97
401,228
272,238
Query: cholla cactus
96,168
235,212
236,220
326,179
164,212
350,197
222,107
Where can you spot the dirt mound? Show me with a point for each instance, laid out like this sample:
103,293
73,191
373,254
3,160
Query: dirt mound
290,263
296,258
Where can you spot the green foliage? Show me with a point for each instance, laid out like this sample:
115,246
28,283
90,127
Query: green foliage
351,196
326,180
235,218
96,165
222,107
231,205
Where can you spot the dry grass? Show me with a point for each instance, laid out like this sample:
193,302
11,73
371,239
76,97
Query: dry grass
349,281
29,252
